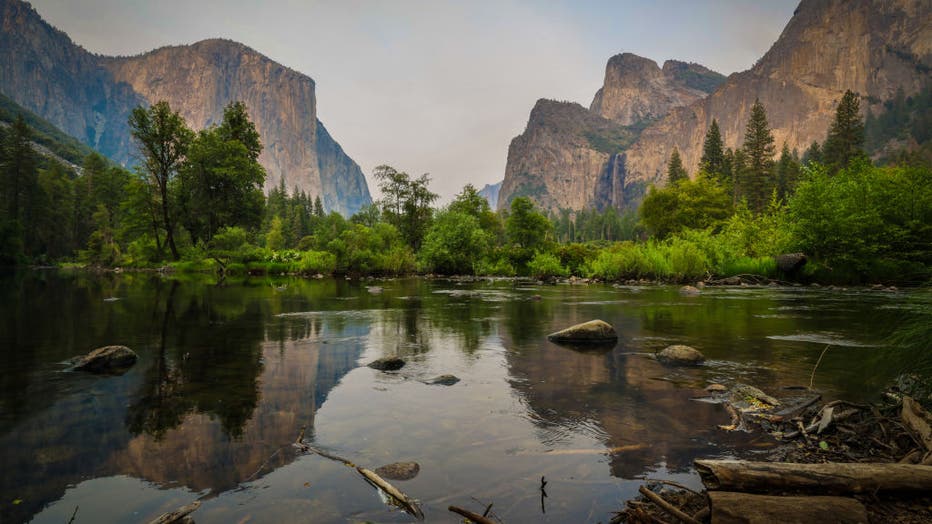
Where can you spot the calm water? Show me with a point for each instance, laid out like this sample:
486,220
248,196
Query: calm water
229,373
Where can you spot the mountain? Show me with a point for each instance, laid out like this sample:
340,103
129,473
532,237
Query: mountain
872,47
48,140
490,193
571,157
90,97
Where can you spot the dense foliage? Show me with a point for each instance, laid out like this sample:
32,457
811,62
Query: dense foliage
196,203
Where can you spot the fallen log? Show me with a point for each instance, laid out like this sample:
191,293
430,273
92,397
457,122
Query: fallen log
735,508
831,478
400,498
666,506
177,515
475,517
918,420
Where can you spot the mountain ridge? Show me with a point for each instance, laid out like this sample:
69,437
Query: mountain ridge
90,96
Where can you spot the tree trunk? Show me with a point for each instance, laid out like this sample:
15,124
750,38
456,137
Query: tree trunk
832,478
169,233
742,508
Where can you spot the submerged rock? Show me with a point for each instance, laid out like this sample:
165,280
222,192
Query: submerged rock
592,332
716,388
375,290
399,470
680,355
746,398
689,290
108,359
444,380
387,364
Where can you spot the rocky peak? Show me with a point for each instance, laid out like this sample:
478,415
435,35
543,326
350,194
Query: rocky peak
636,90
90,97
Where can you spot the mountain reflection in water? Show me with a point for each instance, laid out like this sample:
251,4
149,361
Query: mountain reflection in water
229,373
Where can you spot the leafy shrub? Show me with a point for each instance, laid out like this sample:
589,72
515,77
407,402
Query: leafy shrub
545,265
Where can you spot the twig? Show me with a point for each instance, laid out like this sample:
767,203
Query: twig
475,517
812,377
666,506
277,451
73,515
674,484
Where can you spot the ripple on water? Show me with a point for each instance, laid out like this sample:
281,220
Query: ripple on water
824,337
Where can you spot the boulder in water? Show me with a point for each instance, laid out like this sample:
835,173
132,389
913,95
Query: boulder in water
444,380
680,355
592,332
108,359
399,471
387,364
689,290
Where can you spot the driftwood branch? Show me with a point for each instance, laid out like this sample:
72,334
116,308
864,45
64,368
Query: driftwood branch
918,420
832,478
475,517
733,508
178,514
666,506
403,500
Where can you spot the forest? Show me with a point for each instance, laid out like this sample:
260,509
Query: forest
195,202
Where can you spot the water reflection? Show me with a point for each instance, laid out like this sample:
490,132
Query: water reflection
230,371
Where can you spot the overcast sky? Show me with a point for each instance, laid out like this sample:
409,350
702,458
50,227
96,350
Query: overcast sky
438,87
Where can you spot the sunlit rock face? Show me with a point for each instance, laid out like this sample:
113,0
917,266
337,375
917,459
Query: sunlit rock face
870,47
90,97
570,157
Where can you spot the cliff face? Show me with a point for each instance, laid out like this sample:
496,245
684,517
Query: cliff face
870,47
636,90
90,97
490,193
571,157
560,159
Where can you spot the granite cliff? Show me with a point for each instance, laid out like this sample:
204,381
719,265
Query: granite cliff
872,47
90,97
571,157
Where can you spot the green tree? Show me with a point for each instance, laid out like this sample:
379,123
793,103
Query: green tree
406,203
813,154
470,202
691,204
788,171
845,139
713,152
756,179
18,189
527,231
163,139
675,170
454,244
220,182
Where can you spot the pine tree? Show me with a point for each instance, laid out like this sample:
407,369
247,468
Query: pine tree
813,154
787,173
318,207
713,154
675,170
757,177
845,139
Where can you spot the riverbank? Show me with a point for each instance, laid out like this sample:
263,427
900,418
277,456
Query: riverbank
837,461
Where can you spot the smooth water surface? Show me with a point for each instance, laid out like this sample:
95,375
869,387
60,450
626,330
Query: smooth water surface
230,372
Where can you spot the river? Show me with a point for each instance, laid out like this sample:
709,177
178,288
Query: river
229,372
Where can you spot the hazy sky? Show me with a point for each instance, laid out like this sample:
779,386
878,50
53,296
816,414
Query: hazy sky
431,86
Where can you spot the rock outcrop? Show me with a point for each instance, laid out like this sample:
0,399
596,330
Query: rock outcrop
829,46
872,47
680,355
637,90
490,193
90,97
570,157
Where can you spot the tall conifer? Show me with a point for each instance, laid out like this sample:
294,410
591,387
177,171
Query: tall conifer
757,177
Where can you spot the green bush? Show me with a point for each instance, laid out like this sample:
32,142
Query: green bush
313,262
546,265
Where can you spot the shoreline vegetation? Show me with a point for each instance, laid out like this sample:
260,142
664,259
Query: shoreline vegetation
195,204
